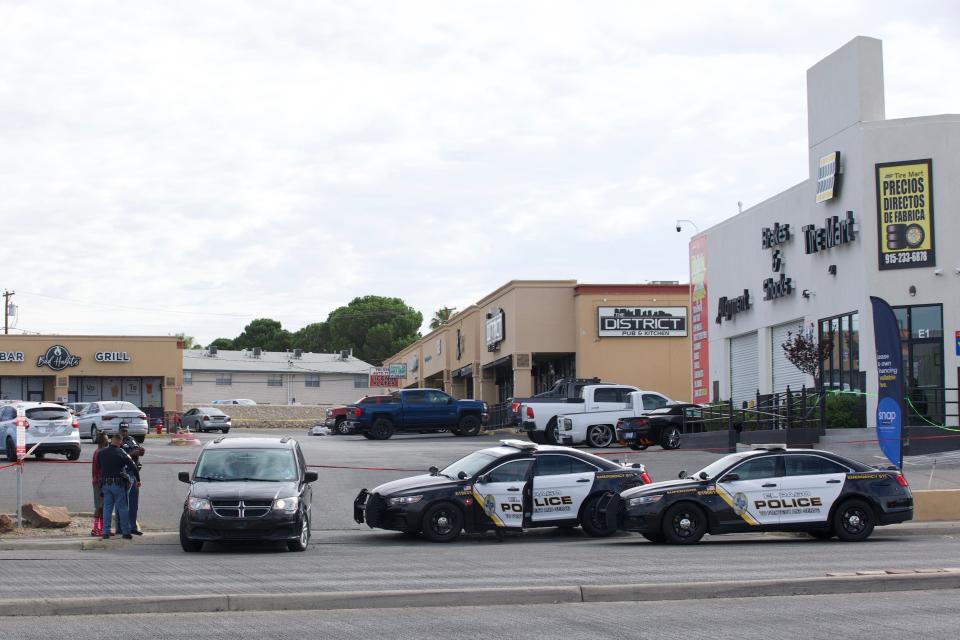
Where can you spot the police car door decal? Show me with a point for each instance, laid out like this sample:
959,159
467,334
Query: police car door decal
560,485
501,497
755,494
811,484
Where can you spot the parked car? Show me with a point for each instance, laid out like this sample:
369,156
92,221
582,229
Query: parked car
76,407
205,419
514,486
539,420
768,489
417,411
105,416
49,427
663,426
598,428
244,401
246,489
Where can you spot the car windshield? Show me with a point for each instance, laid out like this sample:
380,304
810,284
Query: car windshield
470,465
715,468
119,406
265,465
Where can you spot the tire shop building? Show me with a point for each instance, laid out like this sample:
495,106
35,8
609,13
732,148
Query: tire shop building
144,370
876,217
521,338
273,377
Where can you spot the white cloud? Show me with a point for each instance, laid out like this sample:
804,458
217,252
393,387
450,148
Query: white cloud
235,158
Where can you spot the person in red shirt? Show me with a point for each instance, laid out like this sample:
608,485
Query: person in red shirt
97,487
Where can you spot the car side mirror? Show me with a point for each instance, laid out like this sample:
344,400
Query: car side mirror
184,476
731,477
703,475
310,476
462,475
682,474
433,471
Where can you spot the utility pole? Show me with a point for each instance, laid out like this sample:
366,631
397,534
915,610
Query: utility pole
6,310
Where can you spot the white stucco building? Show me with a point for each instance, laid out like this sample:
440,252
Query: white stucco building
890,228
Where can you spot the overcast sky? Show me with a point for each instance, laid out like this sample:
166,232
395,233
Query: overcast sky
194,165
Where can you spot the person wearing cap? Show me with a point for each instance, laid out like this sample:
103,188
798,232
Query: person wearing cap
116,468
134,450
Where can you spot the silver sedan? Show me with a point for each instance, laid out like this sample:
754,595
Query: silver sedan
206,419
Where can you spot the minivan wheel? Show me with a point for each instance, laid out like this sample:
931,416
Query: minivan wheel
188,545
300,544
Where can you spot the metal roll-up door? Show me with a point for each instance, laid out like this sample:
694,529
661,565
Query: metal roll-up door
744,368
784,373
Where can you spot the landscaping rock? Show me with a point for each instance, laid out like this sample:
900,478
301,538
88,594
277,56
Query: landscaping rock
46,517
6,523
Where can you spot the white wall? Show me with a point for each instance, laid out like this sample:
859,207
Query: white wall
334,389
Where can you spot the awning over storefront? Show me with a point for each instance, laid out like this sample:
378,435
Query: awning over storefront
499,362
463,372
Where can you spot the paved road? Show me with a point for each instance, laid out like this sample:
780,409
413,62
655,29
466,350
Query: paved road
162,495
894,616
374,560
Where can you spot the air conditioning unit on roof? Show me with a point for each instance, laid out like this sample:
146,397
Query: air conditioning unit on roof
345,354
257,351
297,354
212,351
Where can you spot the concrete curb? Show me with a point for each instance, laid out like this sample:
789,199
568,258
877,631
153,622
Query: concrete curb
829,585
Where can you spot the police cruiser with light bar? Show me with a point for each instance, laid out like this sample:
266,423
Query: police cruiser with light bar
768,489
514,486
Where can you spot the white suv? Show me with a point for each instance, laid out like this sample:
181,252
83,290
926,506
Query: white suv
49,426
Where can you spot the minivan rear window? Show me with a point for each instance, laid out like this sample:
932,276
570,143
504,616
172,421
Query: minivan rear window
48,413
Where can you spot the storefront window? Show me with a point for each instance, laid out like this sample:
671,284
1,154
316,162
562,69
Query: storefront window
842,368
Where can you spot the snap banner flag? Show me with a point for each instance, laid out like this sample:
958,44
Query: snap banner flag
890,388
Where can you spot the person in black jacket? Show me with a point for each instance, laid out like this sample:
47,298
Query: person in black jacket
134,450
117,472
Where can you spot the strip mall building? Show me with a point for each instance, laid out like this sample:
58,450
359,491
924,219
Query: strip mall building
144,370
877,216
522,337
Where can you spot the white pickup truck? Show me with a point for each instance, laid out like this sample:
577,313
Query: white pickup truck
539,420
598,428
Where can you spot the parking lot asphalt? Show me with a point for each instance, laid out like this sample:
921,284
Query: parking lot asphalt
347,464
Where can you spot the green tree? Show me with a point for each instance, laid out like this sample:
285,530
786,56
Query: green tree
188,342
441,316
313,338
264,333
222,343
375,327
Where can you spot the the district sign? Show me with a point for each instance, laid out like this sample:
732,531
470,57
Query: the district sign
642,322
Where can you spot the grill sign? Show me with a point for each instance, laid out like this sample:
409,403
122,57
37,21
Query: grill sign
642,322
58,358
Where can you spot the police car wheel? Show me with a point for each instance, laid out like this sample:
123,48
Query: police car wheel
442,522
592,522
637,447
670,438
853,521
657,538
684,523
600,436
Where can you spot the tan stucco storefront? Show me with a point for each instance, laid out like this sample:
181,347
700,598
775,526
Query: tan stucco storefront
145,370
528,333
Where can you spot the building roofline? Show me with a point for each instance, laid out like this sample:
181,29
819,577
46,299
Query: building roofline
631,288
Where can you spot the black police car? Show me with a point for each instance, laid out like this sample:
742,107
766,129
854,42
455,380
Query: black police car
248,489
768,489
510,487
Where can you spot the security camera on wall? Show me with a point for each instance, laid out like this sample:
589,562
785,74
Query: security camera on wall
678,228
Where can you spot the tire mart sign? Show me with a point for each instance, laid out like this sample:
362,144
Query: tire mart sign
641,322
905,215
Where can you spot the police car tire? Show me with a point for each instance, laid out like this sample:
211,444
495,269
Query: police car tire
600,436
656,538
667,440
674,533
853,521
381,429
638,447
552,433
590,524
434,528
469,426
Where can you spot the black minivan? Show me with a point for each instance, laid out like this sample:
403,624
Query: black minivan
248,489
